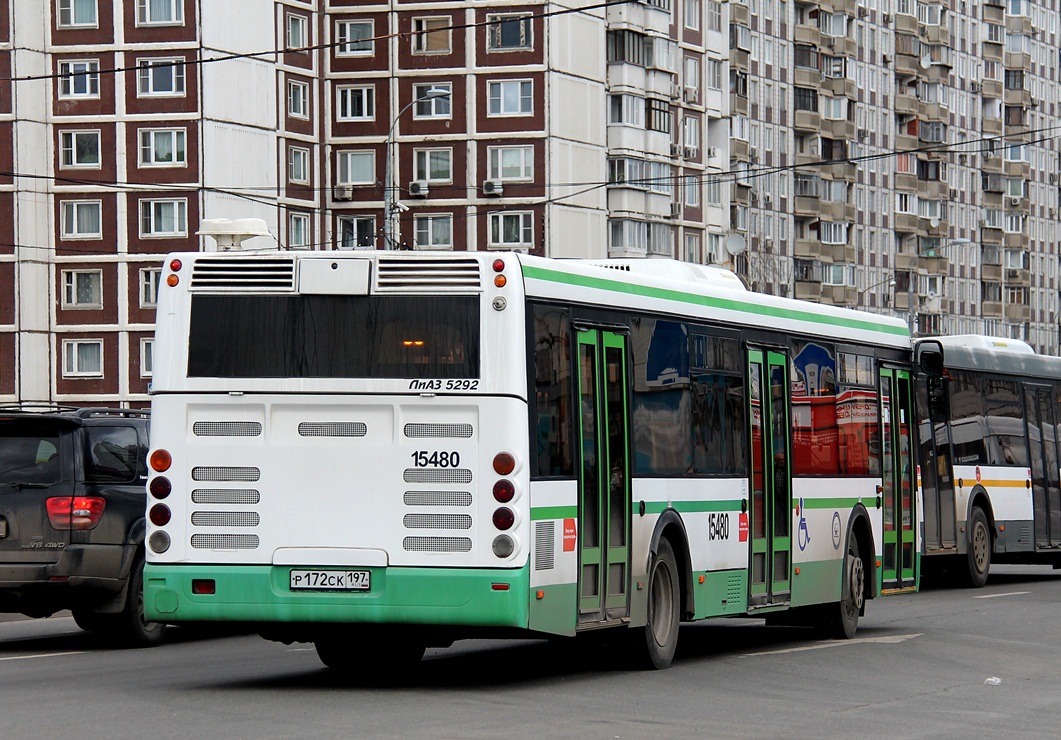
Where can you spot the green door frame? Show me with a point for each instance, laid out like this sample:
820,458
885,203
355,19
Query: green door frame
770,509
604,490
898,479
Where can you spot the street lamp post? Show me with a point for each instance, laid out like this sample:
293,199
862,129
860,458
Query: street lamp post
391,225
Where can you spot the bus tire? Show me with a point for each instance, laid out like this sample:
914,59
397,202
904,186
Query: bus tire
369,654
656,642
845,623
978,549
126,628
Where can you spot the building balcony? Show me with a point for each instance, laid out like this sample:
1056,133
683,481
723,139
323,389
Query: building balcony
901,300
738,104
992,52
933,189
839,86
808,290
991,309
806,77
807,158
843,171
842,254
740,13
807,120
907,65
802,34
1018,277
906,24
905,223
1015,240
1015,60
933,265
991,273
991,235
991,126
991,200
739,150
839,295
906,104
832,211
906,181
994,11
906,142
993,89
808,249
1020,24
905,261
991,162
1018,312
933,226
934,34
739,59
807,205
1017,169
1023,98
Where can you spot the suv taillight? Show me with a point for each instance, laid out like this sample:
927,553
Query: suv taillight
75,512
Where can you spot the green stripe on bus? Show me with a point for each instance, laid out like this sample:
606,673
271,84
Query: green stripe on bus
553,512
831,503
691,507
539,273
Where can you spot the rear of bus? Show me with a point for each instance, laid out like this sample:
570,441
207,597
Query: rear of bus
339,442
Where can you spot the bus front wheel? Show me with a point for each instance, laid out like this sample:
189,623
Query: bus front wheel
978,552
656,642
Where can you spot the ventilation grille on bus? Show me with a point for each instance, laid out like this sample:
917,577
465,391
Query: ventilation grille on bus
225,474
1025,539
544,545
333,429
437,498
437,544
438,430
225,518
437,521
227,429
225,496
735,593
396,275
224,541
273,273
438,475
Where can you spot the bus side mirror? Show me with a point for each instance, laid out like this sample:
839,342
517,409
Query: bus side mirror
930,358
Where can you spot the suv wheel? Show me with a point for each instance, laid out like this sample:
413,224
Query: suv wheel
127,627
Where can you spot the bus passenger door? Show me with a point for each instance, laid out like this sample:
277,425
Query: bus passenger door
898,482
770,510
1046,489
604,497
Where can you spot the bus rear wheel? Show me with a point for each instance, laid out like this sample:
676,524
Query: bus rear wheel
370,655
978,549
656,642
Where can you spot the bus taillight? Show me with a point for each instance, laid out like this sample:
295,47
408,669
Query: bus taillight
160,515
503,546
504,518
160,487
160,461
504,491
158,541
504,463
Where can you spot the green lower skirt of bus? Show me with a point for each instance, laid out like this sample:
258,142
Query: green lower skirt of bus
263,593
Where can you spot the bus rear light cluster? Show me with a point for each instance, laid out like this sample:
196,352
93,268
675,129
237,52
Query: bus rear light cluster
160,487
158,541
172,280
499,267
504,518
503,546
78,513
160,515
160,461
504,491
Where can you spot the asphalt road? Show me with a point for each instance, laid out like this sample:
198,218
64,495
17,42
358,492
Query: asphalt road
916,668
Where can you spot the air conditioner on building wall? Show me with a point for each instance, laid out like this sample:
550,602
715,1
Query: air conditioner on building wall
492,187
675,150
675,209
344,192
712,152
418,188
886,18
976,87
690,94
1014,200
690,152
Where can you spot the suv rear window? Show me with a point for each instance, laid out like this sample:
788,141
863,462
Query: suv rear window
29,455
111,454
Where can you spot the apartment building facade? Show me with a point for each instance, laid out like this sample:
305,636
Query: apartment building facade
885,154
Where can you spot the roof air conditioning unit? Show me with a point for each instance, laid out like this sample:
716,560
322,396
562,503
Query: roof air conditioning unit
492,187
344,192
418,188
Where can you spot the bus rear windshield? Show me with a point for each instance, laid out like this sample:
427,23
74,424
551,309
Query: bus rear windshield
321,336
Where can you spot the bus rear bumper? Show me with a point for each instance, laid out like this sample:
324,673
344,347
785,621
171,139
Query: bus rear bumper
263,594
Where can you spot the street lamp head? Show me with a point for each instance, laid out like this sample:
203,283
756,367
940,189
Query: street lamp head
434,92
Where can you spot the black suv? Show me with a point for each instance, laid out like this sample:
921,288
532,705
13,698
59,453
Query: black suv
72,504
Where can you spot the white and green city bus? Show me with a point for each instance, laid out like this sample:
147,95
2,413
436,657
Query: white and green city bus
988,435
382,451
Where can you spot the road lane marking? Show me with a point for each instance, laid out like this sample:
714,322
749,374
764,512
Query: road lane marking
995,596
887,640
43,655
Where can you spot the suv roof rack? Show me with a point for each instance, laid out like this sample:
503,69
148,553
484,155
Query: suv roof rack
109,411
37,408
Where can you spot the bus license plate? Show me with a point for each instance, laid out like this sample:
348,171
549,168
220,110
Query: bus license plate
331,580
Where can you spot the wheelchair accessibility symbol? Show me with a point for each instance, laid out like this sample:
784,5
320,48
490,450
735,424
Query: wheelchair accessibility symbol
802,533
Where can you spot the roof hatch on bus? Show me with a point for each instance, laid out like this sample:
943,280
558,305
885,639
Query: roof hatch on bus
333,276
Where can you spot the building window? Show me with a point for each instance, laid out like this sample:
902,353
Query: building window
506,32
659,117
512,230
82,358
296,33
691,133
297,99
298,165
83,289
298,231
167,217
511,163
905,203
432,107
433,165
692,14
625,109
79,149
357,168
353,38
147,351
162,147
82,219
159,12
714,74
77,14
431,35
510,97
833,109
149,282
692,191
832,233
434,231
160,77
357,231
356,103
805,98
714,15
79,79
